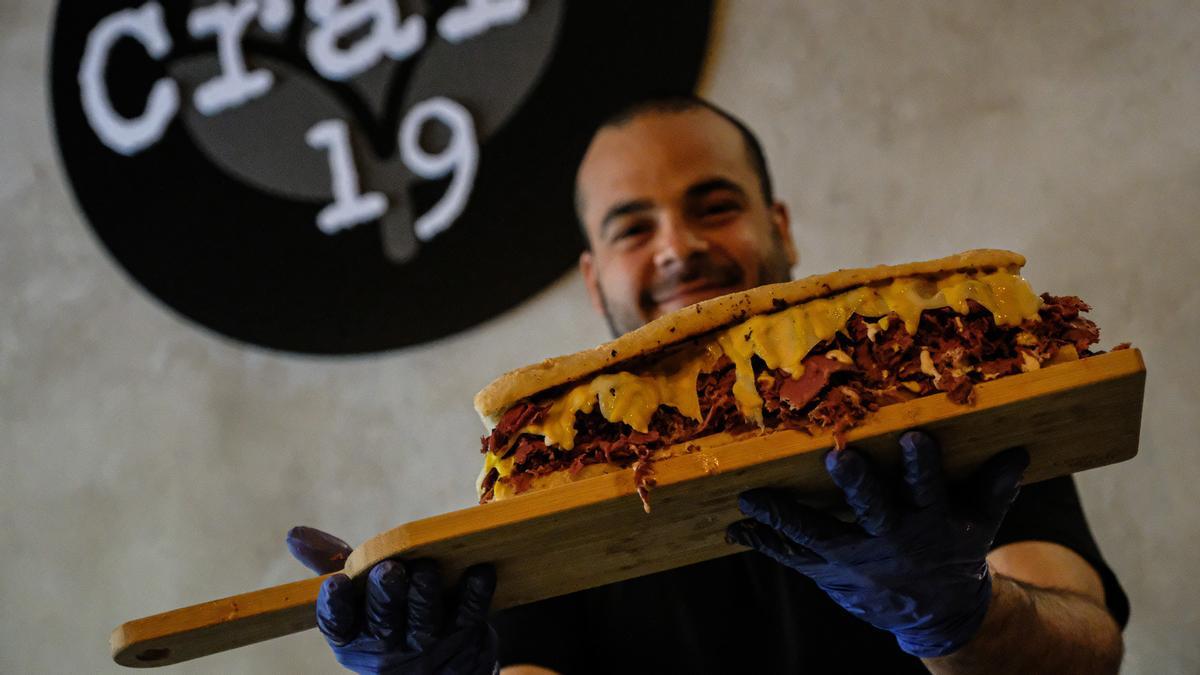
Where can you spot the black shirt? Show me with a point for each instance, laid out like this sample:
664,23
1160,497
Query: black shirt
746,613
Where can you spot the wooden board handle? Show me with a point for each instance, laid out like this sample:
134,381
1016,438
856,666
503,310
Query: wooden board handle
215,626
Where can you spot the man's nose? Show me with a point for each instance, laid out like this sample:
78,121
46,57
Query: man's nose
676,242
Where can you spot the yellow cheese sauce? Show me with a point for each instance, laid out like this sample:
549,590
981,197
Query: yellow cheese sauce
782,340
630,398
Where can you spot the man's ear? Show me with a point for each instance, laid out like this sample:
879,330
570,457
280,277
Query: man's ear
587,267
782,221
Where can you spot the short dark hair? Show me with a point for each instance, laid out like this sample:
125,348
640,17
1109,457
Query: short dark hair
677,103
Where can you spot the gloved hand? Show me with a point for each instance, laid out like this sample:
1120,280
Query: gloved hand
397,625
915,563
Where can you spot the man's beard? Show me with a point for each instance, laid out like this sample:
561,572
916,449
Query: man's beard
774,269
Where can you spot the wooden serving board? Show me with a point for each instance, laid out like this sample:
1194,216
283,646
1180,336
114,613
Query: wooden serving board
1070,417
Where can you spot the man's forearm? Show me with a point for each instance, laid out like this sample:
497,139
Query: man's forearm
1037,630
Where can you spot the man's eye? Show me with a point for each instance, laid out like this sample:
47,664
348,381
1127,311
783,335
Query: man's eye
720,208
631,231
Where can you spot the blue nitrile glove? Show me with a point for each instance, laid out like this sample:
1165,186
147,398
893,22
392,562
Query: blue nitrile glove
397,625
319,551
916,562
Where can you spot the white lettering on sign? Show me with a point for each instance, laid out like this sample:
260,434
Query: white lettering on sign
275,15
350,207
461,156
463,23
234,86
127,136
387,35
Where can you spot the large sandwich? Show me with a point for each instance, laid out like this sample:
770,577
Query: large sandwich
818,354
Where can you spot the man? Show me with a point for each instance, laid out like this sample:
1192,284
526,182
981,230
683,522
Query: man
676,201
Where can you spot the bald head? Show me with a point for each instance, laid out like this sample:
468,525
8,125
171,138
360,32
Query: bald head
680,104
675,212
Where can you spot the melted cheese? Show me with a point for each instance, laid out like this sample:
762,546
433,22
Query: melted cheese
503,467
632,399
782,340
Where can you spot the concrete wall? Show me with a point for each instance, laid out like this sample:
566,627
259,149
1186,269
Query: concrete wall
146,464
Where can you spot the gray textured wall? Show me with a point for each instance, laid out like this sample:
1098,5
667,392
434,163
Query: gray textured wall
146,464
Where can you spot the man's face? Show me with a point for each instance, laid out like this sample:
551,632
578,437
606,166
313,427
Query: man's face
675,215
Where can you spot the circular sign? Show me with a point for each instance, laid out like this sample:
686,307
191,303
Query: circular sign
341,177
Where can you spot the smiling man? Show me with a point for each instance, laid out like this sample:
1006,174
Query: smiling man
676,201
677,208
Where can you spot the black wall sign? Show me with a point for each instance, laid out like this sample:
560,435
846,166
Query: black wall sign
348,176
